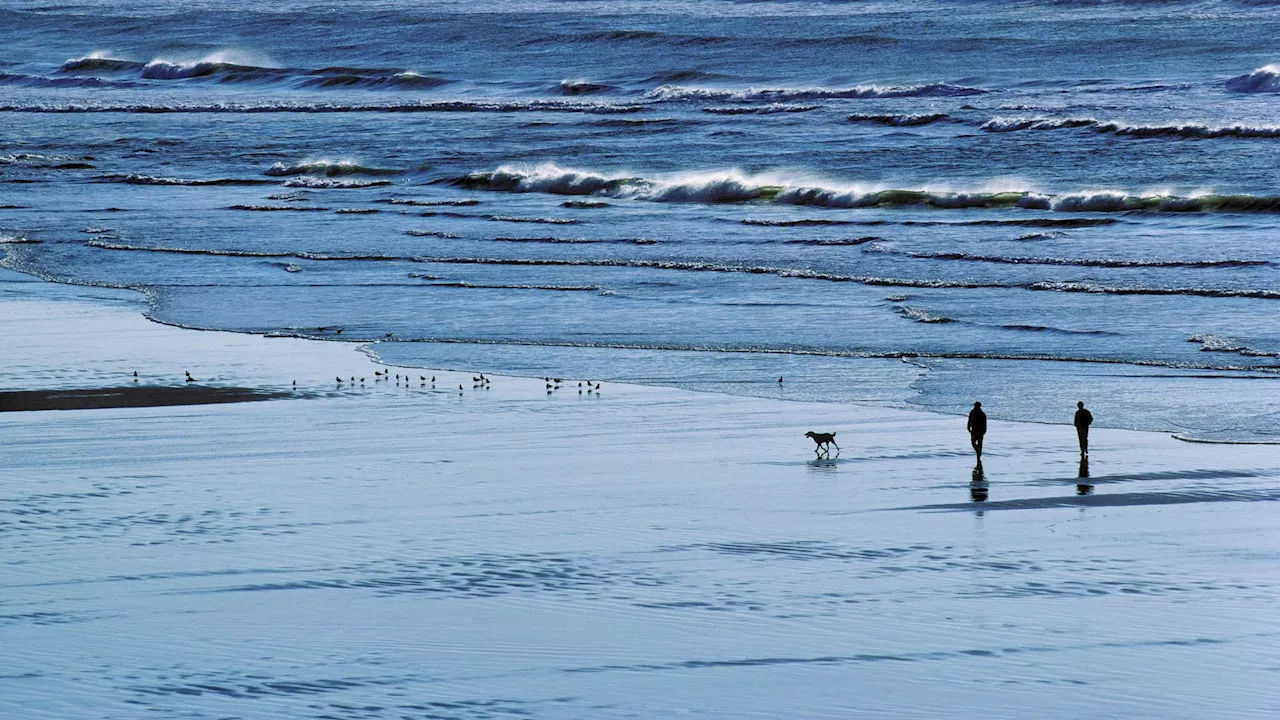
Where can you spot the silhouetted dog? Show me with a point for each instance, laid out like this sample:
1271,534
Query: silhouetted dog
824,441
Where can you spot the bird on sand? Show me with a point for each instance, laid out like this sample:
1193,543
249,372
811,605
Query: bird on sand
339,380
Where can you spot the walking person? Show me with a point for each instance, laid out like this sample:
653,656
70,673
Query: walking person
977,428
1084,419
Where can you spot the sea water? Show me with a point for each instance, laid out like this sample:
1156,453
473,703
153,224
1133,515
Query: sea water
903,203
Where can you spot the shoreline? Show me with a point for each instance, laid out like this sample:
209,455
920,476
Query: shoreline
368,348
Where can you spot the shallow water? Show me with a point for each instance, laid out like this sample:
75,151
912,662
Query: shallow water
1047,198
413,552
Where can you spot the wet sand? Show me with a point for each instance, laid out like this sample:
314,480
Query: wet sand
127,397
402,550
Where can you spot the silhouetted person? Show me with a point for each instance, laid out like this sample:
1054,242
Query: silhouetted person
978,485
977,428
1084,419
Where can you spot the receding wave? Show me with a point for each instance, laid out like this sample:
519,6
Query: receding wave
1182,130
922,316
732,186
481,286
906,120
686,92
575,240
139,179
445,106
1073,262
1210,342
1091,287
1265,79
327,168
404,80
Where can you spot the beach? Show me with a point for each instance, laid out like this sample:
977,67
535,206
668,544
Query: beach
399,551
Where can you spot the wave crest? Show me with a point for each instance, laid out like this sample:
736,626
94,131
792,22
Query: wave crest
727,186
859,92
1183,130
327,168
1265,79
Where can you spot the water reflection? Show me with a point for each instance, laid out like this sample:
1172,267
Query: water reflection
978,484
1082,487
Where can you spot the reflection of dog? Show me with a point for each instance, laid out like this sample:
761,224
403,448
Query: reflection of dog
824,441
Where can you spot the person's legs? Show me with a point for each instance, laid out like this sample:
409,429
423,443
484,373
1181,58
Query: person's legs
1083,434
975,440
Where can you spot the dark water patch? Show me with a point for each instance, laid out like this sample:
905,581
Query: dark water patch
583,204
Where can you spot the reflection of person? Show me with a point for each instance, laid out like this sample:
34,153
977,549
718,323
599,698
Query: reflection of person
1084,419
977,427
978,485
1082,483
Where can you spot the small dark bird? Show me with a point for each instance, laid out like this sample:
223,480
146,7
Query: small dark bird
779,381
558,380
579,384
135,373
361,381
295,383
387,335
353,378
597,387
339,381
377,372
433,378
338,331
423,378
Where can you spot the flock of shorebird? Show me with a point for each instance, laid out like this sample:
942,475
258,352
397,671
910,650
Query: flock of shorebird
478,382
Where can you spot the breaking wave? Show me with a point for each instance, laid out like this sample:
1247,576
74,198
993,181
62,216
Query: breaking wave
139,179
685,92
327,168
318,183
222,68
1186,130
732,186
770,109
1265,79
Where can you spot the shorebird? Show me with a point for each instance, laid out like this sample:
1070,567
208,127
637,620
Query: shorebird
135,373
338,331
779,381
433,378
339,381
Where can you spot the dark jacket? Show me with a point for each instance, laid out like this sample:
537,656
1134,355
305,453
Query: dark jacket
1084,419
977,422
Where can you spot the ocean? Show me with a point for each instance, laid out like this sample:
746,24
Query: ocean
912,204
